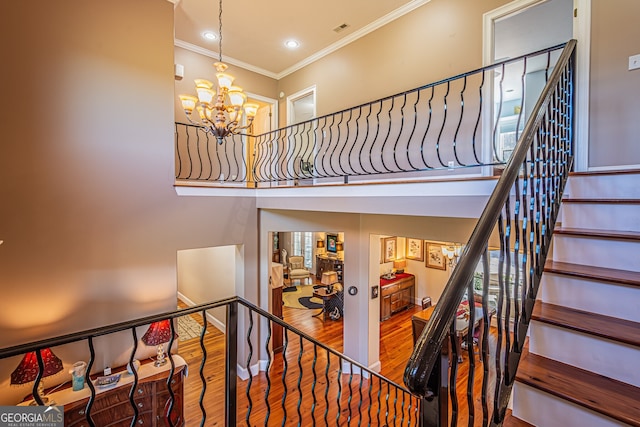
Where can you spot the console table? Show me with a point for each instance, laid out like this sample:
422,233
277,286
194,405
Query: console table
396,294
112,407
325,263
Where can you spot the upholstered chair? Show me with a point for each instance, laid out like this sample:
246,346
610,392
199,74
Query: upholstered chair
297,271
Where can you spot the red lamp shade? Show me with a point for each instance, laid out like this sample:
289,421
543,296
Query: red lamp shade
27,370
158,333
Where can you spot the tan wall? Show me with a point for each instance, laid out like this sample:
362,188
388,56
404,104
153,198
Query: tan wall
90,220
615,91
435,41
197,66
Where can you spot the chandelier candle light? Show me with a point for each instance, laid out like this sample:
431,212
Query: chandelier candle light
215,116
452,252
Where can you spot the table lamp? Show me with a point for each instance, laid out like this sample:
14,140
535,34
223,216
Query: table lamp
320,247
28,369
158,334
399,265
340,249
328,279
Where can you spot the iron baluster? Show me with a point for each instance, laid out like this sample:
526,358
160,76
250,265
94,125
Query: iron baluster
444,123
395,145
455,136
299,382
203,379
477,125
231,363
92,388
426,130
285,368
248,368
134,385
413,129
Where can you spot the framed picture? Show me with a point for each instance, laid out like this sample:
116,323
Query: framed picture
332,243
435,258
390,245
415,249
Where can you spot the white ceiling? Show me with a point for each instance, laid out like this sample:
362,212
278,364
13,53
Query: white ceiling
254,31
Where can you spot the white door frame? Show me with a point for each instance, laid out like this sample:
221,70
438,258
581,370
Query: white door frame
273,104
295,96
311,90
582,33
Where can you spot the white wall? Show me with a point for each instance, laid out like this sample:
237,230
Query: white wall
208,275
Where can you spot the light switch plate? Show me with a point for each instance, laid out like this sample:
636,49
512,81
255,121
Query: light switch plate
634,62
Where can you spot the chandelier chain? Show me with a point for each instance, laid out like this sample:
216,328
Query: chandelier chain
215,115
220,32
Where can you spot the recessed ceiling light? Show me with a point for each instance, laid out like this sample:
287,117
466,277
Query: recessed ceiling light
291,44
209,35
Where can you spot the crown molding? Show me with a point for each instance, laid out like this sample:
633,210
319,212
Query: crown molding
227,59
380,22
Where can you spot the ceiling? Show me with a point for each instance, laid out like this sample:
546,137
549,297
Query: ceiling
254,31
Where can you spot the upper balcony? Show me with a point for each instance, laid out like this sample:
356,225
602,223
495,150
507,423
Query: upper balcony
427,150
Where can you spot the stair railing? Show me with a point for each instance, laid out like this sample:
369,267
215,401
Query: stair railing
306,383
453,124
518,220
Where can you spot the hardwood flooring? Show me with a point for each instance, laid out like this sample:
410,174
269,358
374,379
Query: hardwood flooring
312,390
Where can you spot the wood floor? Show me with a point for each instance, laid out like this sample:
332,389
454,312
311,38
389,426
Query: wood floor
310,388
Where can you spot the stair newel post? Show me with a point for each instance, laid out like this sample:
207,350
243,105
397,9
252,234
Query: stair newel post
434,408
231,362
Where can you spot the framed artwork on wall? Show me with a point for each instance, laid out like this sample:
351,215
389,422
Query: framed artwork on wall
390,245
435,258
415,249
332,243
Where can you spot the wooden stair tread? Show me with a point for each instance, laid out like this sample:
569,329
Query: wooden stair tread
604,234
603,201
604,395
612,328
511,421
612,275
606,172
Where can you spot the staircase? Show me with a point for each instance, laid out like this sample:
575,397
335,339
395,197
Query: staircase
581,366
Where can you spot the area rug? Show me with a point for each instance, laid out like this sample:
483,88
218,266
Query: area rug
188,328
300,297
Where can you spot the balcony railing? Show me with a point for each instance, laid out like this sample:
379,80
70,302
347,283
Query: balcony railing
521,214
463,123
307,383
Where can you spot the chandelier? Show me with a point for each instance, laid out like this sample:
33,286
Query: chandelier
215,116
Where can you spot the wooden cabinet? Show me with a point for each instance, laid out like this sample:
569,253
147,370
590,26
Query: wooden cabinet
111,406
396,294
151,397
324,263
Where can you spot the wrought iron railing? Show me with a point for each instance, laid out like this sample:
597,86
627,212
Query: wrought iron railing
520,216
307,383
456,123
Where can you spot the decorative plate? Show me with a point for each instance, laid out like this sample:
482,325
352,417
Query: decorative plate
108,380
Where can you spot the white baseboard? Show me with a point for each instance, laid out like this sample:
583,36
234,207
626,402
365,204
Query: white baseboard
243,373
215,322
182,297
375,367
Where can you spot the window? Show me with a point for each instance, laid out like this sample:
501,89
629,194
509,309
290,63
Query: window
302,244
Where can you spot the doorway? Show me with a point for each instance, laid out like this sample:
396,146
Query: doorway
301,106
524,26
